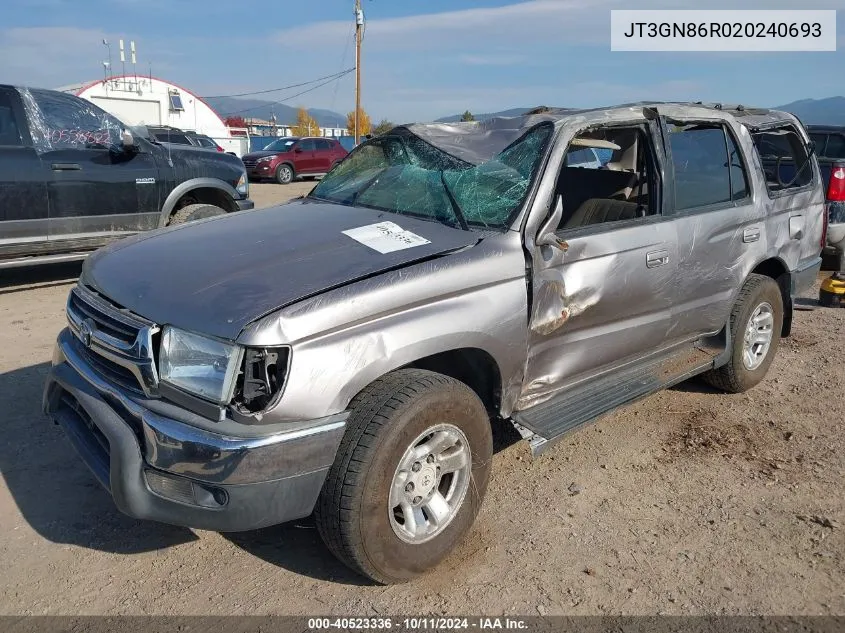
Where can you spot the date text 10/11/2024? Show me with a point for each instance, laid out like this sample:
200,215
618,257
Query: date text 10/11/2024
417,623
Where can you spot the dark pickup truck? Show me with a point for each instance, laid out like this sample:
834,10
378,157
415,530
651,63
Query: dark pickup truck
830,149
73,177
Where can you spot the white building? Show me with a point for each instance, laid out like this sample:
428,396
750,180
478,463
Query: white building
140,100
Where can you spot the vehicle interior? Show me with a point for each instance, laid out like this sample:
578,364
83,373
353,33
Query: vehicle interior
614,190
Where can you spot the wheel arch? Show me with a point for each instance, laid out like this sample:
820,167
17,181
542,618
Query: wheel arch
776,269
203,190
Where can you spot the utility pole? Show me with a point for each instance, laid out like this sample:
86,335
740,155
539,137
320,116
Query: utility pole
359,25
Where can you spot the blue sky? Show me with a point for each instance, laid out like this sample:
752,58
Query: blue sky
422,58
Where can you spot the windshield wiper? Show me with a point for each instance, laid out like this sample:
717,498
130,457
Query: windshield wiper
456,208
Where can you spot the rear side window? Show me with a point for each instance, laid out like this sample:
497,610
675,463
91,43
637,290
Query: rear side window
173,137
321,144
9,132
785,159
708,166
307,145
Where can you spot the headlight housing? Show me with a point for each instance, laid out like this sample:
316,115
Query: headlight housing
243,185
266,159
202,366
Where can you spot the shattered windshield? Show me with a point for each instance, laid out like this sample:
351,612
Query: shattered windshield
401,173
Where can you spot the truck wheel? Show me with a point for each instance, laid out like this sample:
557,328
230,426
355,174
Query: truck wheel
284,174
756,322
409,477
193,212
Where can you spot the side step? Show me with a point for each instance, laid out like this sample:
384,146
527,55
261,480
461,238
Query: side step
549,421
20,262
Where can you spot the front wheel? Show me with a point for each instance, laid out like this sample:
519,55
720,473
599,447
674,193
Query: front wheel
284,174
755,324
409,477
192,212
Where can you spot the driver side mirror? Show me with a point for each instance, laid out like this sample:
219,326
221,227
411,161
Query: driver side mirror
546,234
128,141
297,150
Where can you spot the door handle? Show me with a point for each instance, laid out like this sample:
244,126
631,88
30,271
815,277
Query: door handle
751,234
66,167
656,258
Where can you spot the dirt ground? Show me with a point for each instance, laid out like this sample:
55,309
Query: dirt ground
691,501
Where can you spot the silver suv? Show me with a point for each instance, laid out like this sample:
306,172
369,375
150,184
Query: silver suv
347,353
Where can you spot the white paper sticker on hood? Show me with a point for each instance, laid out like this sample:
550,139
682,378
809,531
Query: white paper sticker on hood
385,237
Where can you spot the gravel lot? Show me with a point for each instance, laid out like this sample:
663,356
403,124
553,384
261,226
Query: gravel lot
690,501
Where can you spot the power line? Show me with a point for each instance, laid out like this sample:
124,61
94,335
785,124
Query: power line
264,105
262,92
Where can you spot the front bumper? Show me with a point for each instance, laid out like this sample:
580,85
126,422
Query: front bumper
260,170
163,469
245,205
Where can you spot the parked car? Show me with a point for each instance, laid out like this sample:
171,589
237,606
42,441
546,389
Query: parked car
167,134
72,178
830,149
288,158
347,353
204,141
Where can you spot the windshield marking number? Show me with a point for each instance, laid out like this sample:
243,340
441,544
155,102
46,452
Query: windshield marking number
385,237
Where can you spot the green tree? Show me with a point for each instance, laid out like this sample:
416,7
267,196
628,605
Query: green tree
467,116
383,127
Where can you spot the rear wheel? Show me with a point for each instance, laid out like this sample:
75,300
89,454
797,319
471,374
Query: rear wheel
284,174
409,477
192,212
756,322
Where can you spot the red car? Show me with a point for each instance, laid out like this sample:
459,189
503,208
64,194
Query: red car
292,157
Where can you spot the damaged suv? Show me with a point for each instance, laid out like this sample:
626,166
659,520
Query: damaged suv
348,353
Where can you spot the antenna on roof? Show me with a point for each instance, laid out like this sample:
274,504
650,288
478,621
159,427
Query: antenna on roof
123,61
134,64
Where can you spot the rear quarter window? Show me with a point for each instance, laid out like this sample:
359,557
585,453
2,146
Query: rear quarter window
785,159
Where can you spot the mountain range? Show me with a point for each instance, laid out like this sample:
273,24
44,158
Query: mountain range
830,111
260,109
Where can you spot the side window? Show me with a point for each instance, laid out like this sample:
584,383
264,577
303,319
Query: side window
585,158
307,145
9,132
72,122
835,146
700,159
619,188
784,156
321,144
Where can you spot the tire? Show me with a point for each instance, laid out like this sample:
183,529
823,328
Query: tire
353,513
737,376
193,212
284,174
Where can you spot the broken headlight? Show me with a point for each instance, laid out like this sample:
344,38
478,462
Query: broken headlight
261,379
202,366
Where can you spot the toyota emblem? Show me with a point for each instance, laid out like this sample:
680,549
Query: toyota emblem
85,332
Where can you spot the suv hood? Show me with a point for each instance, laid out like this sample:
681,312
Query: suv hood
261,154
218,275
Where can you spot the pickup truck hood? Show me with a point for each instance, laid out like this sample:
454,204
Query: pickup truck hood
216,276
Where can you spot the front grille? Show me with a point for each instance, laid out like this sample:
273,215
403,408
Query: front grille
109,370
115,343
250,162
105,322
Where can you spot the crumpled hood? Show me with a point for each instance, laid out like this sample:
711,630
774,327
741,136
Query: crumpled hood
216,276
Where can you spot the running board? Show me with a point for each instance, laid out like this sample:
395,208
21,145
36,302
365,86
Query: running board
545,424
34,260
